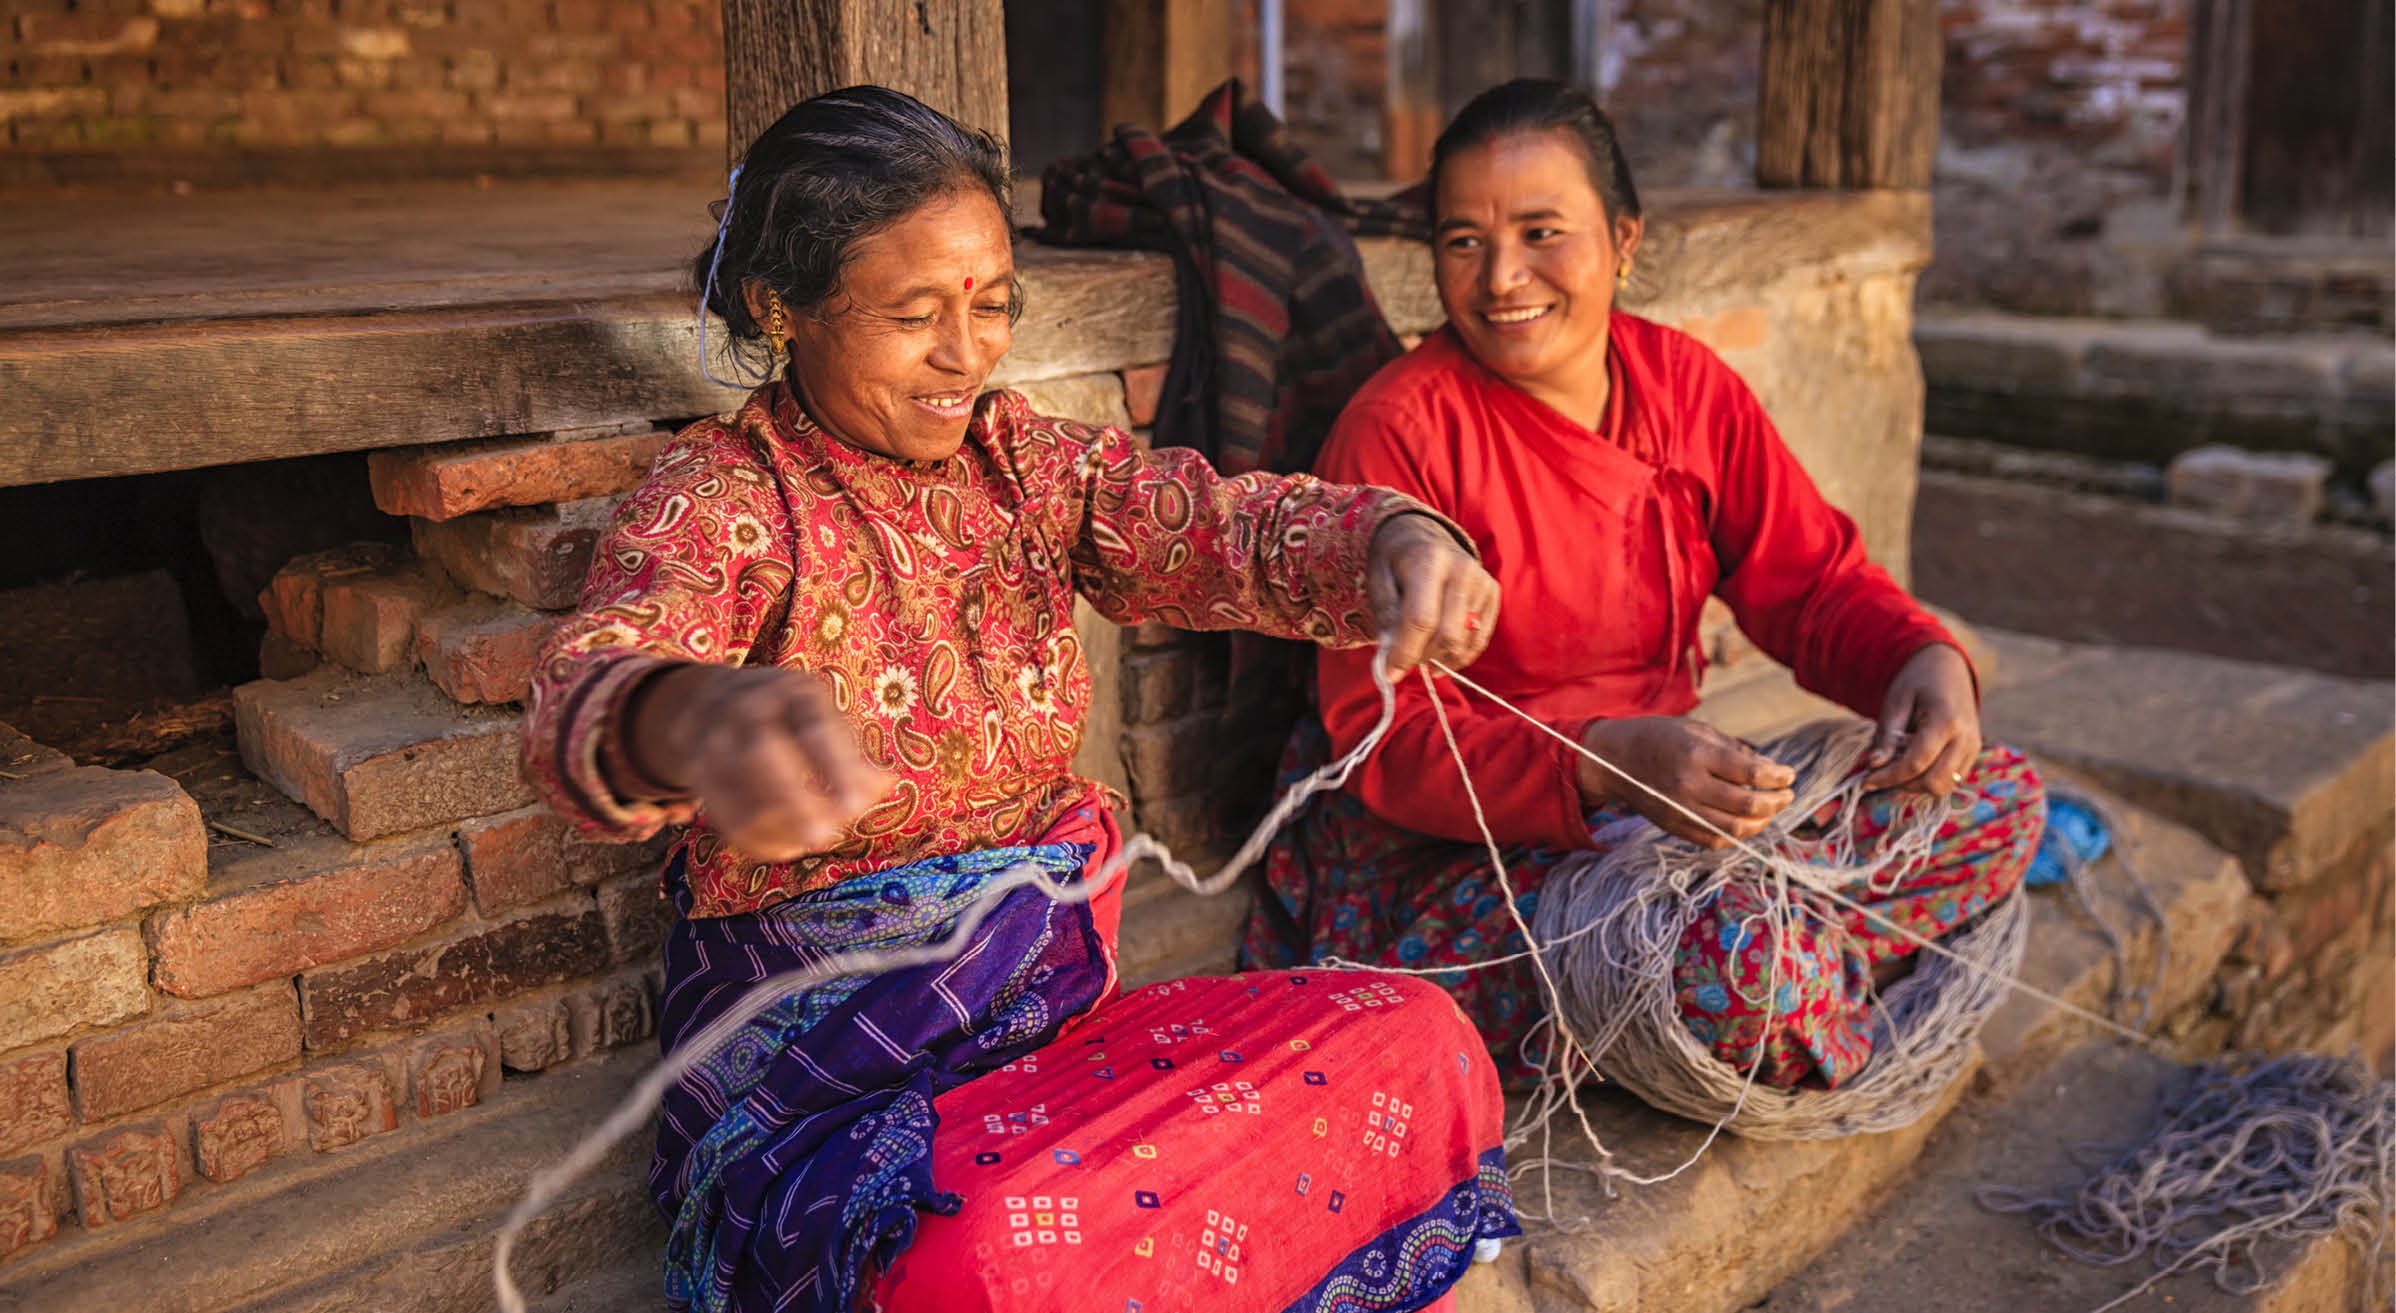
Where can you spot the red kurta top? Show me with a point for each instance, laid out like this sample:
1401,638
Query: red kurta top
1607,543
936,599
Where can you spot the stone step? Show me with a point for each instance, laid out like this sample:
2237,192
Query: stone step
1170,932
631,1286
1713,1239
1933,1246
2050,1082
1750,1214
2293,772
2204,901
400,1223
2149,389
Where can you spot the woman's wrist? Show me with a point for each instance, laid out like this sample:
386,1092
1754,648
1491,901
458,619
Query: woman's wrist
647,761
1598,785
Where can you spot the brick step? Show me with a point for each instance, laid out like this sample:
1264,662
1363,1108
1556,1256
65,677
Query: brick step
1750,1214
2293,772
377,755
1932,1245
400,1222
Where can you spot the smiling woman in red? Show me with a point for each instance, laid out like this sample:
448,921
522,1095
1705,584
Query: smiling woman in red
1614,474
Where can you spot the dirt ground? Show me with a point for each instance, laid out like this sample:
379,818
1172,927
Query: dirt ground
2102,570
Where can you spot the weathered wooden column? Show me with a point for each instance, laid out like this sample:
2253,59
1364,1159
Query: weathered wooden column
1160,56
1442,53
952,55
1849,95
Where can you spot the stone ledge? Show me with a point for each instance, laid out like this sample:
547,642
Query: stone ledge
1714,1239
2149,389
2287,769
401,1220
2204,901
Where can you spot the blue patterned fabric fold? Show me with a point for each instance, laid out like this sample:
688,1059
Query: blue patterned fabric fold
1415,1262
799,1153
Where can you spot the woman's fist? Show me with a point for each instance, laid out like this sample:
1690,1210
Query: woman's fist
767,755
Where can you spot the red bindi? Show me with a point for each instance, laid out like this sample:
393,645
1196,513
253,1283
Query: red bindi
969,284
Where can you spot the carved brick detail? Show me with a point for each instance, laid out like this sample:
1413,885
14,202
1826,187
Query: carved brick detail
25,1215
449,1077
348,1103
623,1014
132,1171
243,1132
534,1036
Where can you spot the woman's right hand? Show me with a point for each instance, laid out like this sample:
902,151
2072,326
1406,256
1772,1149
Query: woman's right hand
1725,781
767,755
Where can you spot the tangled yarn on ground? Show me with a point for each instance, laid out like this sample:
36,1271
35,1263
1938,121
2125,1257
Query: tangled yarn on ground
1630,903
2252,1157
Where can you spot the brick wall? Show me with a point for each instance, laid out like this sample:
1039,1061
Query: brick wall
1335,65
355,917
2059,139
2060,125
106,74
228,963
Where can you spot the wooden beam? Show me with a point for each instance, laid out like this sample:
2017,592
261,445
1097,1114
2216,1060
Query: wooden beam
138,398
1160,56
950,55
1849,94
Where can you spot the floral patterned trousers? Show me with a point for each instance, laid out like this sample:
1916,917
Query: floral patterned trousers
1344,883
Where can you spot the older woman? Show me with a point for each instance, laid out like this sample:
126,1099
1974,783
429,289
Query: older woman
1615,473
832,634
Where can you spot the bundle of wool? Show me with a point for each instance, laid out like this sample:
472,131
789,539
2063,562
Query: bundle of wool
1613,924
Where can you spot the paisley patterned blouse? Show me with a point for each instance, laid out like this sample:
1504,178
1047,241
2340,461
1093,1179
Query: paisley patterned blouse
936,599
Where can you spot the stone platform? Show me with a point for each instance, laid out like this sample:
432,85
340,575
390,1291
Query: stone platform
1873,1223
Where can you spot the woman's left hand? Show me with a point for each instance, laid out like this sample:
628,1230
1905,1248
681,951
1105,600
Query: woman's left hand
1929,725
1429,596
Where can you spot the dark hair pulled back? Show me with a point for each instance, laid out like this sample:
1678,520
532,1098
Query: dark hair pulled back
1543,105
836,169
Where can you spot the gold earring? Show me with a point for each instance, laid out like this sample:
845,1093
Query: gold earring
1622,276
776,324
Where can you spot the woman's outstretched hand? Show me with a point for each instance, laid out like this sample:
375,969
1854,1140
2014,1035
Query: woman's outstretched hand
1929,725
763,750
1429,595
1734,787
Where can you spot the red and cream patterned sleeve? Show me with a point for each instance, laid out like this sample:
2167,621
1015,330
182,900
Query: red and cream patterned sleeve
698,561
1165,536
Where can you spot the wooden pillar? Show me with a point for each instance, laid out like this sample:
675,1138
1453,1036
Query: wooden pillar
1850,93
1410,109
1160,56
951,55
1442,53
